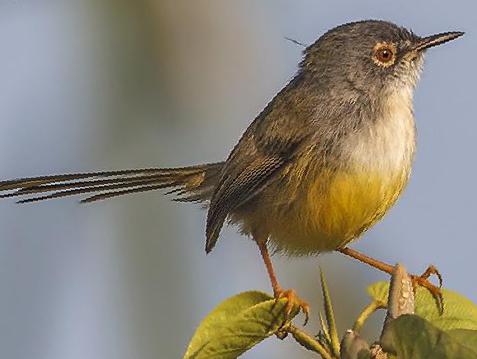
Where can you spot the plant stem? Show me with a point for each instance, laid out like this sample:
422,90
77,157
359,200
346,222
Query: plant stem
366,313
307,341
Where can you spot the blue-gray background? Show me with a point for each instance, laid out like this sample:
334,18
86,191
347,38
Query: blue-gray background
88,85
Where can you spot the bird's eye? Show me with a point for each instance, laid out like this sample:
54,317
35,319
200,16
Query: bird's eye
384,54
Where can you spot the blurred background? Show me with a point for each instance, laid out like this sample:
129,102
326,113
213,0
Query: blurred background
93,85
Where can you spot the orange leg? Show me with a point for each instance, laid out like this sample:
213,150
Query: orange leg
278,292
268,264
421,280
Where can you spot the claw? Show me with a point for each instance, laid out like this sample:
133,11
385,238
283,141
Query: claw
423,281
292,300
431,270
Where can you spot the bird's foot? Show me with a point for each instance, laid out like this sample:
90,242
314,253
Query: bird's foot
423,281
293,300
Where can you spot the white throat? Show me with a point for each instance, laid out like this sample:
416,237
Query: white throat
388,144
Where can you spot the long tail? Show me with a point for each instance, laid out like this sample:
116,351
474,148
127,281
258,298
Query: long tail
189,184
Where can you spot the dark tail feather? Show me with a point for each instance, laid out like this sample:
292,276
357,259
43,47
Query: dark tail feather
189,184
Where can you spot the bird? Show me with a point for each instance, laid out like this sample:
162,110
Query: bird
322,163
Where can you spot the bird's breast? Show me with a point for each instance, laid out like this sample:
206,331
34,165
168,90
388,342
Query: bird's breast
386,144
339,204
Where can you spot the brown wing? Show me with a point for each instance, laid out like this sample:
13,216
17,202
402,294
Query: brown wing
249,169
268,145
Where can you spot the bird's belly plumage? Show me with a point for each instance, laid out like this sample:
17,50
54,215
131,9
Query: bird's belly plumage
336,206
329,217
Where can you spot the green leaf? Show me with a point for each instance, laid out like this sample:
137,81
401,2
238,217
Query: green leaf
236,325
330,317
379,291
465,336
459,312
324,331
416,338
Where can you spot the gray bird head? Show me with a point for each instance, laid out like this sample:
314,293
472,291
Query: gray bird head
370,56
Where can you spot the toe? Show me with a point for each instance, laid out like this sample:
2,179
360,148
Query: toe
293,300
435,291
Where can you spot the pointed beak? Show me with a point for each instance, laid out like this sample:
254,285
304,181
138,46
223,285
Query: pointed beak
435,40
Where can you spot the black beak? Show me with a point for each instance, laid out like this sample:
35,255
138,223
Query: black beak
435,40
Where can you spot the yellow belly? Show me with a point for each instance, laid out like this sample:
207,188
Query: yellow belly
335,210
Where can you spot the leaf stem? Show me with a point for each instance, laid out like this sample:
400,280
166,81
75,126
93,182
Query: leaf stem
308,342
366,313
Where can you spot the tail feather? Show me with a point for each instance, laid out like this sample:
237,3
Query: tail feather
72,192
33,181
102,196
79,184
195,183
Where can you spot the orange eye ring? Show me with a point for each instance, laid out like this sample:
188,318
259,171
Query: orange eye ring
384,54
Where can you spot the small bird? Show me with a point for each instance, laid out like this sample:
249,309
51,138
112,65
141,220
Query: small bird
322,163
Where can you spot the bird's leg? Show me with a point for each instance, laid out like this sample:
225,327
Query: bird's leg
421,280
278,292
